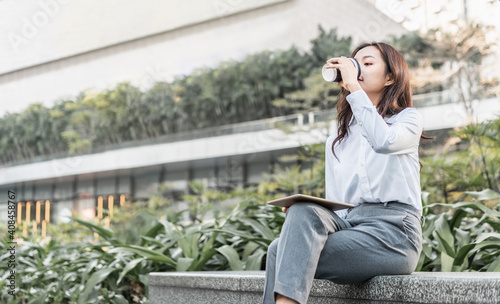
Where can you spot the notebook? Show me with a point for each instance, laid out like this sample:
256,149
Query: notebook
302,198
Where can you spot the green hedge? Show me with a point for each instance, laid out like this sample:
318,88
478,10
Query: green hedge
230,93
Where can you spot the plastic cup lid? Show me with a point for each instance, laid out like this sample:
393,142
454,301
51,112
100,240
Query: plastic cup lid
329,74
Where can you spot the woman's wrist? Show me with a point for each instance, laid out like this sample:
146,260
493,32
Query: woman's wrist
353,87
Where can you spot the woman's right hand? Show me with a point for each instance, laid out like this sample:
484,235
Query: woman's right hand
349,73
284,209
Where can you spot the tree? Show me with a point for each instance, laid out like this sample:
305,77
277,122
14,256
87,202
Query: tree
317,94
450,172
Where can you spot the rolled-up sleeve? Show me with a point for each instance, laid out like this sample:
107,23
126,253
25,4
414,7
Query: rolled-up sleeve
396,137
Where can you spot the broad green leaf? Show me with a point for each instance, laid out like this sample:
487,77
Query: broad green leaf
495,266
236,210
189,245
486,194
425,198
249,248
105,232
144,252
260,228
154,230
170,228
446,262
144,279
443,245
488,244
183,264
90,266
96,278
485,236
231,256
474,205
474,224
245,235
493,222
445,237
131,265
462,238
22,260
119,299
209,244
205,256
429,226
254,262
420,263
206,253
462,254
40,298
457,217
152,240
427,249
167,246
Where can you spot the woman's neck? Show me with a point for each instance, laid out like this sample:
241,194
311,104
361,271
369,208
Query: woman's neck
374,98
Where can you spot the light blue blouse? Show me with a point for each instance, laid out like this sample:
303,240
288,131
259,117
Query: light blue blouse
378,161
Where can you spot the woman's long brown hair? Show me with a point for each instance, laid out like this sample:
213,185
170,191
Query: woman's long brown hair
394,98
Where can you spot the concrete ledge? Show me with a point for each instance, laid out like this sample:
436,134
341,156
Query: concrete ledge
246,287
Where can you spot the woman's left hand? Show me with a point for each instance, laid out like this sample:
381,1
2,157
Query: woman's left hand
349,73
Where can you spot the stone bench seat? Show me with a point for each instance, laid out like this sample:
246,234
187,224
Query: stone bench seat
242,287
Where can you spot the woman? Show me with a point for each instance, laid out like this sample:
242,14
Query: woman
373,164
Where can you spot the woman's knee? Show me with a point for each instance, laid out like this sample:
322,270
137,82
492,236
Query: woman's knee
309,215
273,248
304,210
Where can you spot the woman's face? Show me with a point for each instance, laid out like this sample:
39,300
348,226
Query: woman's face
373,78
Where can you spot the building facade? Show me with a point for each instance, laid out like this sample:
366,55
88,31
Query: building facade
57,49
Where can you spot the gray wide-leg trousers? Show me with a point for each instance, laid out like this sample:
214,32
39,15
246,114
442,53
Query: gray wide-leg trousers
374,239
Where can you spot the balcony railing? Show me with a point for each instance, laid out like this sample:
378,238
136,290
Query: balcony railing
421,100
435,98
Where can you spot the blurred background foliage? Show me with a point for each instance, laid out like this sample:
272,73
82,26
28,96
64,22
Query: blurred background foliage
263,85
